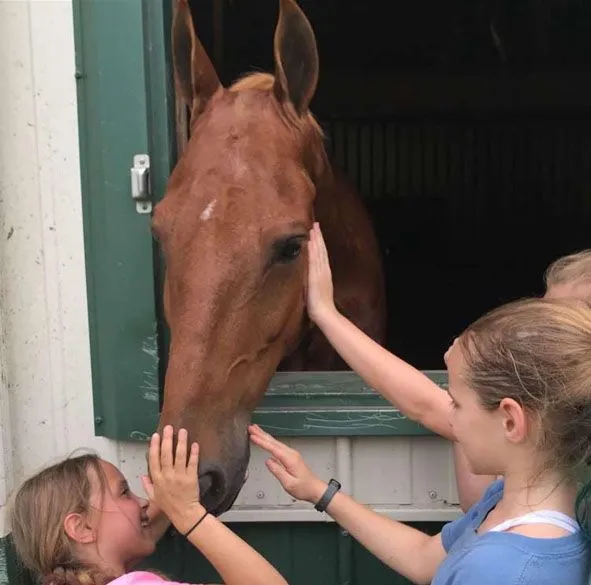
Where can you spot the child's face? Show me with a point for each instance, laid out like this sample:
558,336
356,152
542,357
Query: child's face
122,530
479,431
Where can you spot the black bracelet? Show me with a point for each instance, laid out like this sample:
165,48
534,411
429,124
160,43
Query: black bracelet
196,524
333,487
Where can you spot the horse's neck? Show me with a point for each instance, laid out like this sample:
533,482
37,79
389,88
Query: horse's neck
346,226
354,253
335,207
328,205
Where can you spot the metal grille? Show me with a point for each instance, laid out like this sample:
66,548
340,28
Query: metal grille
473,163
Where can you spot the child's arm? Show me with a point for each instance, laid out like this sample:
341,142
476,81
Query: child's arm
415,395
174,488
408,551
235,561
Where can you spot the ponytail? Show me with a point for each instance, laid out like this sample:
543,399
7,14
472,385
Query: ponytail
76,575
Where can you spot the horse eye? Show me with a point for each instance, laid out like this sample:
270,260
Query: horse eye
288,250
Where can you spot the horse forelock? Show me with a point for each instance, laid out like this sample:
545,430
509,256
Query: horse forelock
260,81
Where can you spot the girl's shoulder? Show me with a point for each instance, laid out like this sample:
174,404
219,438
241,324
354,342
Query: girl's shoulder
143,578
138,578
514,559
456,533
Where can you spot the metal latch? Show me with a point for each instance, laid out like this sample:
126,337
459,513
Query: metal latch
141,189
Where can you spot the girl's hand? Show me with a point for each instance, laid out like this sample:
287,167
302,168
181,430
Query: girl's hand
288,467
320,288
173,486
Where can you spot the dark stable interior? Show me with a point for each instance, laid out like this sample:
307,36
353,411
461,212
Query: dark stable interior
466,126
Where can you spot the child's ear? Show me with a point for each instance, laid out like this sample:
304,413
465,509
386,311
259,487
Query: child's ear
79,529
514,420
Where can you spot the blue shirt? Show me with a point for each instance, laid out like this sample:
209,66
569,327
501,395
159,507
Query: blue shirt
507,558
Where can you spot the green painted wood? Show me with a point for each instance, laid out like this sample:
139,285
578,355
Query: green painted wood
305,553
333,404
11,570
4,555
123,91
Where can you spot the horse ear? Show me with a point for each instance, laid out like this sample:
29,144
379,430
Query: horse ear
194,74
296,57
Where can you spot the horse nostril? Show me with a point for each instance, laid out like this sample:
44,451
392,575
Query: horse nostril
212,483
205,483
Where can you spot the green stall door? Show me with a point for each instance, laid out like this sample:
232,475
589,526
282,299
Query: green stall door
305,553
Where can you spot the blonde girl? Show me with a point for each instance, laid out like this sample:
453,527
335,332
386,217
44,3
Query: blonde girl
520,385
413,393
78,523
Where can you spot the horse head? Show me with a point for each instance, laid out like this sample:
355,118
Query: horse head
233,227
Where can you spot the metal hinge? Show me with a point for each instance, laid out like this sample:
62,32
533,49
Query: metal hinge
141,188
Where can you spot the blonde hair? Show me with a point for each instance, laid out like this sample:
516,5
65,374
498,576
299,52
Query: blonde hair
538,352
38,512
569,269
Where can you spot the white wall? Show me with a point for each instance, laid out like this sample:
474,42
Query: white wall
45,387
46,391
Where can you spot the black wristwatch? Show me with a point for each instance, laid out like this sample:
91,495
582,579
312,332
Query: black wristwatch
333,487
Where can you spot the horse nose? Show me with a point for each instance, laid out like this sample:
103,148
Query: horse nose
212,486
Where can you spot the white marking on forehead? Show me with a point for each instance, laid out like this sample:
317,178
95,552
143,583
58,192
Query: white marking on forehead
206,213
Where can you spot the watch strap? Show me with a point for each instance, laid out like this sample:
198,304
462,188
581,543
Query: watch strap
333,487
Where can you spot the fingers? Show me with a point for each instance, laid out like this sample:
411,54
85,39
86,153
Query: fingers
154,456
269,446
284,454
160,454
180,458
255,430
148,487
279,472
318,253
166,462
323,252
193,463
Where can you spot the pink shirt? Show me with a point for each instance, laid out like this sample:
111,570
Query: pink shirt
142,578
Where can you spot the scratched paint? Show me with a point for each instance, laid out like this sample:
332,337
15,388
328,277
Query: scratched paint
138,436
150,386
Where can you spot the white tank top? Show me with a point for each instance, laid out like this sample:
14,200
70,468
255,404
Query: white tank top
540,517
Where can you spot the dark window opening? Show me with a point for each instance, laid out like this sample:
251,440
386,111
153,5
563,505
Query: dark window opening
465,126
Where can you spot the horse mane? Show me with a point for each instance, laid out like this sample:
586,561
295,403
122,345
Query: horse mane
260,81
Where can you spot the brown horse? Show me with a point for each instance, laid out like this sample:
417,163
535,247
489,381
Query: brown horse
233,226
